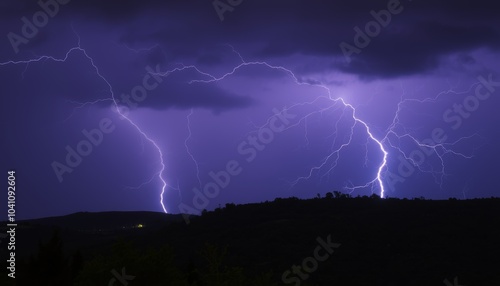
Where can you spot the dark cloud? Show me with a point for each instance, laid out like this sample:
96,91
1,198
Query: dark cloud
412,43
418,50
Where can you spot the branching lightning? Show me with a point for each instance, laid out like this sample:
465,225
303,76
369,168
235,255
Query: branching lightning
112,97
438,149
378,177
330,161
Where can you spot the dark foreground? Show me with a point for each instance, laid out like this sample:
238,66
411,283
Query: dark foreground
327,241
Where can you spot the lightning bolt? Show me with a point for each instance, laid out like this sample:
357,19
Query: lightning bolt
79,48
187,147
383,143
377,178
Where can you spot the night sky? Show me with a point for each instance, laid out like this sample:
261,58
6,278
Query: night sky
180,106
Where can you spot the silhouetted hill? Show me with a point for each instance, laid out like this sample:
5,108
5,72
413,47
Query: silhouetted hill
86,230
104,220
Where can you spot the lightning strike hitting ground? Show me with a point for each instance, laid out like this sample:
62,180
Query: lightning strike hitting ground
84,52
331,160
378,177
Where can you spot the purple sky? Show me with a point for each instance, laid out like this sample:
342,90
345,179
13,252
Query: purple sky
264,95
